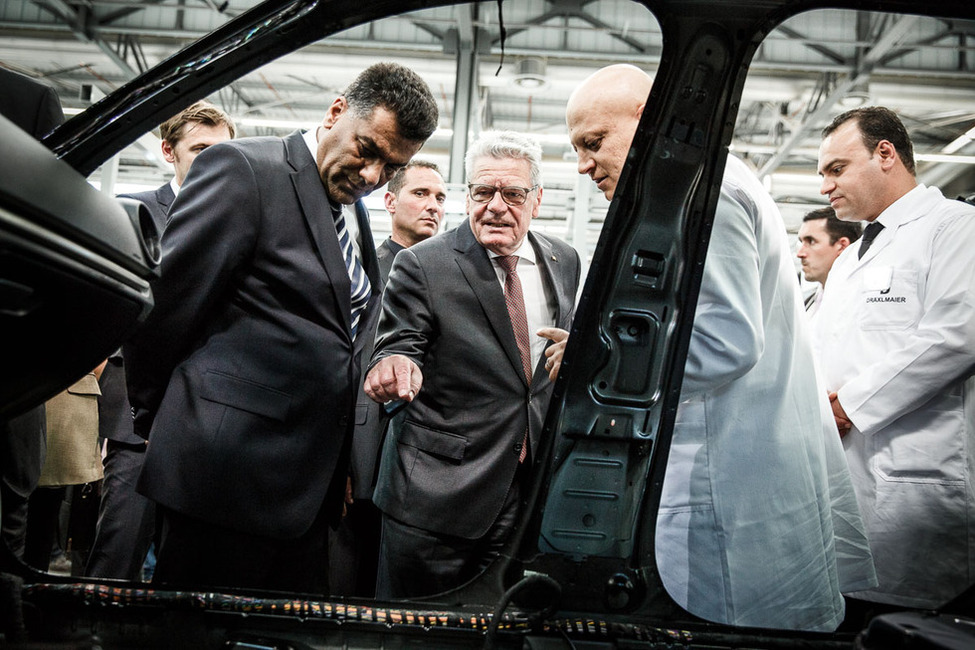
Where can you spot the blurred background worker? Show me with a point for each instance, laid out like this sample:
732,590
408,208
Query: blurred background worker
72,467
822,237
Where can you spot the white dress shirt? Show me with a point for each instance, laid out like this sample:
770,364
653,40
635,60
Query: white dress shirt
351,219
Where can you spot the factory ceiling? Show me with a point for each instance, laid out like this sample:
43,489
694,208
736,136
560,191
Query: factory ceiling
512,65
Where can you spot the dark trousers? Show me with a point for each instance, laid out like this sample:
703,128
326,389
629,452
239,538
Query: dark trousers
43,525
194,553
126,519
353,551
415,562
22,451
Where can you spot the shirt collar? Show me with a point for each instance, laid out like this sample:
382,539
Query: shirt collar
394,247
905,208
174,185
311,141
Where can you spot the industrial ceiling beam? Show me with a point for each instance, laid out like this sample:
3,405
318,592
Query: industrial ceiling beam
859,74
805,41
81,22
465,90
575,9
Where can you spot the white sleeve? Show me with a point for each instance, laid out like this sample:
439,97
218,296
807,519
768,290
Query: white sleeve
728,335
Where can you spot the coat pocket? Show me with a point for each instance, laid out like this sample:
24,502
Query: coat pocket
888,299
925,446
432,441
361,414
245,395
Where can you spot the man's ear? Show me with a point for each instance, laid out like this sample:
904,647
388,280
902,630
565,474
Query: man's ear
639,111
167,152
843,242
390,201
538,203
335,111
888,154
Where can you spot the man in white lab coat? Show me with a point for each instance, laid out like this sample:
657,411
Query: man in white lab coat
758,524
895,338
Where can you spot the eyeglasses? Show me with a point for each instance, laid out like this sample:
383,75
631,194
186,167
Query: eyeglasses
510,194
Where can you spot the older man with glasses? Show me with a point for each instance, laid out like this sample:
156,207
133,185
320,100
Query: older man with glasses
474,309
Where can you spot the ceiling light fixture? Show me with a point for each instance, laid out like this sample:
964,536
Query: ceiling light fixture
858,95
531,74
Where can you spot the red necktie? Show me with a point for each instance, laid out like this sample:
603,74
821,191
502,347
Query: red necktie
515,300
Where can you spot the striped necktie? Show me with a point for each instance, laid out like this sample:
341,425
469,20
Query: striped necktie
361,289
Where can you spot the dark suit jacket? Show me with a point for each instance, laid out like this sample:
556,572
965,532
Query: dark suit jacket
158,201
29,104
448,465
245,369
370,419
114,411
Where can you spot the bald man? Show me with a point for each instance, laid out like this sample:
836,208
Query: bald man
745,531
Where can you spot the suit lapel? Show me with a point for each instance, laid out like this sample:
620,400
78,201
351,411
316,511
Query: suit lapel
370,262
478,269
165,197
550,267
552,275
367,247
386,252
321,225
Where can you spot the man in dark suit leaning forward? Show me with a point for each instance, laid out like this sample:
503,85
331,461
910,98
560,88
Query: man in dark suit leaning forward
245,373
466,308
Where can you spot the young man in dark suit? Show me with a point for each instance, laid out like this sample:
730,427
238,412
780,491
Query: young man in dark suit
183,137
466,308
244,376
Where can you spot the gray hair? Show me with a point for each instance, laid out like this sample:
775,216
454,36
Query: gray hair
506,144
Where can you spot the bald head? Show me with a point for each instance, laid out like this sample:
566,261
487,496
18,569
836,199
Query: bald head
622,87
602,116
